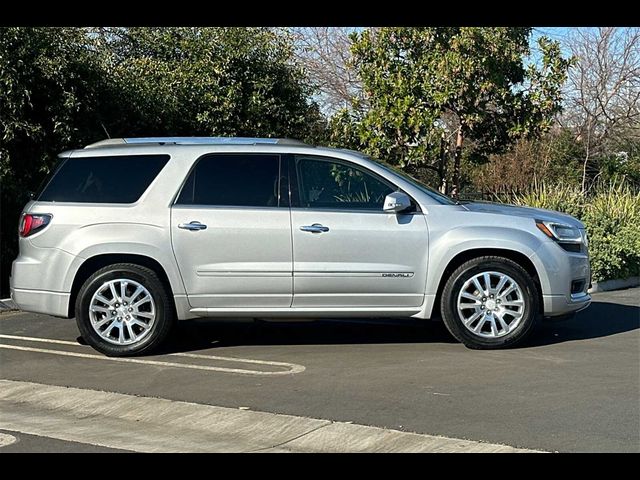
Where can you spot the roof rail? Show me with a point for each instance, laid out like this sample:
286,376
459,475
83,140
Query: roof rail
195,141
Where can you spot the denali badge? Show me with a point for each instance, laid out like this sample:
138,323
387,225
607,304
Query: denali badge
398,275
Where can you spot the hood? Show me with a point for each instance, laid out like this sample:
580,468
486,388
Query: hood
518,211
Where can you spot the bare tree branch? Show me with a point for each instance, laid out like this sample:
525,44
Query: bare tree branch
602,100
325,52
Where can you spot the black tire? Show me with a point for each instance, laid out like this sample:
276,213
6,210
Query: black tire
164,310
455,282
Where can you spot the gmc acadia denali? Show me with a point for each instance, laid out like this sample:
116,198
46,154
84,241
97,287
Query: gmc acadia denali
129,235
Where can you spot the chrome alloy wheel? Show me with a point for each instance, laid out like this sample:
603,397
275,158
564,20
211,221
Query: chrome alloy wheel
491,304
122,311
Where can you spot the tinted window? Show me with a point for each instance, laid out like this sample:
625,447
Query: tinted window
233,180
327,184
121,179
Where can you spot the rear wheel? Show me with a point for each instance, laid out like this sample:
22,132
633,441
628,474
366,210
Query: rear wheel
490,302
124,309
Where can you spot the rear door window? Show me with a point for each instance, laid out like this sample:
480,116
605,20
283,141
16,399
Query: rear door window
235,180
110,179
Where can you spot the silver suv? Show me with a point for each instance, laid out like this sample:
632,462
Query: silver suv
129,235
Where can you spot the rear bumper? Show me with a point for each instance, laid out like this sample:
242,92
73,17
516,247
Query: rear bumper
41,301
40,280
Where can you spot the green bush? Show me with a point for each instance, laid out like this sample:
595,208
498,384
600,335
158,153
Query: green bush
611,213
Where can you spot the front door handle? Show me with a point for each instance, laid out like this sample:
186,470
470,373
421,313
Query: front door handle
315,228
194,225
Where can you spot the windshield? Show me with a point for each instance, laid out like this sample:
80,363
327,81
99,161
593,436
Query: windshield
436,195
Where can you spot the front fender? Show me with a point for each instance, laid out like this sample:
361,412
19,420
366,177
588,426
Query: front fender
446,246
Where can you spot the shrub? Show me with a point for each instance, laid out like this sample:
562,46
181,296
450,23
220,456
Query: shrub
611,214
563,198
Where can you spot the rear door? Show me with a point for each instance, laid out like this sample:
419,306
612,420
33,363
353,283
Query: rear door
231,232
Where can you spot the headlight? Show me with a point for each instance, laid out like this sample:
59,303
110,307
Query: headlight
560,232
585,238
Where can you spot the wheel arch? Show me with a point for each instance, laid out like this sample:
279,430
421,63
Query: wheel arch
95,263
466,255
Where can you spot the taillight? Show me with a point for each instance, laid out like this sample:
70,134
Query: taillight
32,223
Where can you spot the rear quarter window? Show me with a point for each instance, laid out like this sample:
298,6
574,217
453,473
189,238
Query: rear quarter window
111,179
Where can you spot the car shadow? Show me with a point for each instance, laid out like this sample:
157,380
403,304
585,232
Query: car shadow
208,333
601,319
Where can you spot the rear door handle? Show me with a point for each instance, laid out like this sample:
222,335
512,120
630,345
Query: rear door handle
315,228
194,225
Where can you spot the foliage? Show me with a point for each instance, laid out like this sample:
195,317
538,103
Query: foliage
554,157
622,158
207,81
422,83
611,214
46,85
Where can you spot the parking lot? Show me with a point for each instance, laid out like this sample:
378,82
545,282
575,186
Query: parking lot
574,386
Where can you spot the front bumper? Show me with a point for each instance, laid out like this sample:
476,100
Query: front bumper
556,305
557,270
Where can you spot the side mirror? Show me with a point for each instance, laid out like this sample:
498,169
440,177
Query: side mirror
396,202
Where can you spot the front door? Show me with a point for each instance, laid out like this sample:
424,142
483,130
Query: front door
347,251
231,233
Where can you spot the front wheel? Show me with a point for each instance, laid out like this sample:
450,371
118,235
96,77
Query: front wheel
490,302
124,309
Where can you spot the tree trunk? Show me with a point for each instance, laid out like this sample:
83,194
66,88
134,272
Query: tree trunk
586,158
455,188
584,171
442,167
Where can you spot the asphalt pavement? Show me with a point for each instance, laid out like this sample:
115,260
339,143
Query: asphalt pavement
574,386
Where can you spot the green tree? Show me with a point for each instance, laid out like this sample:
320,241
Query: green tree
430,89
206,81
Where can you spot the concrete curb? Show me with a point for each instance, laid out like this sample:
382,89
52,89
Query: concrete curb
614,284
145,424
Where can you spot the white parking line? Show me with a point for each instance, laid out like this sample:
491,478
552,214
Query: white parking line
292,368
6,439
38,339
